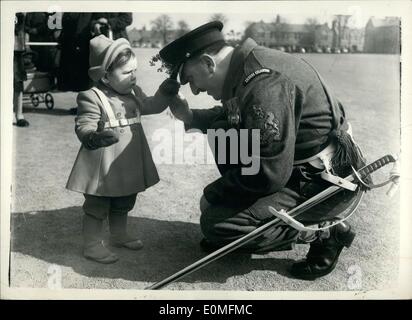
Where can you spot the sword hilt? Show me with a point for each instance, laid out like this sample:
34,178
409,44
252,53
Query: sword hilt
376,165
393,187
394,177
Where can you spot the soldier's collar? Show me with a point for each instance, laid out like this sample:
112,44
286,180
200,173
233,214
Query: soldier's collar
235,70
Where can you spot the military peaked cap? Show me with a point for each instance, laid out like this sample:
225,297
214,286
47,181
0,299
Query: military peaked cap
188,45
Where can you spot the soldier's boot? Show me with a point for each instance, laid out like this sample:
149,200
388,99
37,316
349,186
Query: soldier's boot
119,236
323,254
93,241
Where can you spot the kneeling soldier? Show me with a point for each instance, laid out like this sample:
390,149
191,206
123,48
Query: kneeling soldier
302,134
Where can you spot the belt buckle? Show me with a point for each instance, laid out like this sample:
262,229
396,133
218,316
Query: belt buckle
123,122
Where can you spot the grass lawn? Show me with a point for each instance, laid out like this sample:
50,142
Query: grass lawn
46,218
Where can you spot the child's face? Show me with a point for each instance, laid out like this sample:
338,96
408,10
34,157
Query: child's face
123,79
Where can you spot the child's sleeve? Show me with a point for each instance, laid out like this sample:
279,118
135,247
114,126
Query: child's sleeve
88,114
150,104
139,93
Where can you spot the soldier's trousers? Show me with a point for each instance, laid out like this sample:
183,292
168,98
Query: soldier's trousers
222,224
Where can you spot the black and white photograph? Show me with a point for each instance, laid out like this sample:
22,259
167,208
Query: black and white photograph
205,149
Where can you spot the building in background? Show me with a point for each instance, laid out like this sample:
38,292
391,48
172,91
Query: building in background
323,38
379,36
307,37
281,35
382,35
345,38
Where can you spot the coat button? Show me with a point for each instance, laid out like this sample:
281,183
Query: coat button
118,114
121,130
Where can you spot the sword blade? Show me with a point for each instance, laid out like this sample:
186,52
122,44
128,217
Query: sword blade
320,197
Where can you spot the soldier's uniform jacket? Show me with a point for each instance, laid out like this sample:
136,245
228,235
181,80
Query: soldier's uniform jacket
281,95
123,168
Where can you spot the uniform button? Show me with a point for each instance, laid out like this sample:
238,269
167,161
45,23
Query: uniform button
118,114
121,130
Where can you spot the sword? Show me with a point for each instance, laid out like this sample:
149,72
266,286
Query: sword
322,196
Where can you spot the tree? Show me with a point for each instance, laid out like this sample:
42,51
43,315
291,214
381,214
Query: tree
219,16
162,24
339,24
182,28
311,24
250,31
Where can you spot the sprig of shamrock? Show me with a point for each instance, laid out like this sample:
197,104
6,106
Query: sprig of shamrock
164,67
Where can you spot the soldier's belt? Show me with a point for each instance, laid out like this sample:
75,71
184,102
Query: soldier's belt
322,159
319,159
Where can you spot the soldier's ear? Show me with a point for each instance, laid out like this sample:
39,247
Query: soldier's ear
209,62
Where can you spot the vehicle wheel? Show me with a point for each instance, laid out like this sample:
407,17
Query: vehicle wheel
49,101
34,99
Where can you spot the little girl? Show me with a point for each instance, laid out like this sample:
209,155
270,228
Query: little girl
114,162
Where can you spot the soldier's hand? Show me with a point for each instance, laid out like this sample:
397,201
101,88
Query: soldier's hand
169,87
180,108
100,139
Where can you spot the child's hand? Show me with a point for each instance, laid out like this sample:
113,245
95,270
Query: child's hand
169,87
100,139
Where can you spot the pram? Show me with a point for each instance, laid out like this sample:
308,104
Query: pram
40,84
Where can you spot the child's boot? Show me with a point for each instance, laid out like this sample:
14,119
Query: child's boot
93,241
118,231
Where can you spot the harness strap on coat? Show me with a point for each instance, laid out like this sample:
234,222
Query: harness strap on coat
113,122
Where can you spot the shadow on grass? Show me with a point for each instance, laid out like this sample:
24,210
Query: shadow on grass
41,109
55,236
